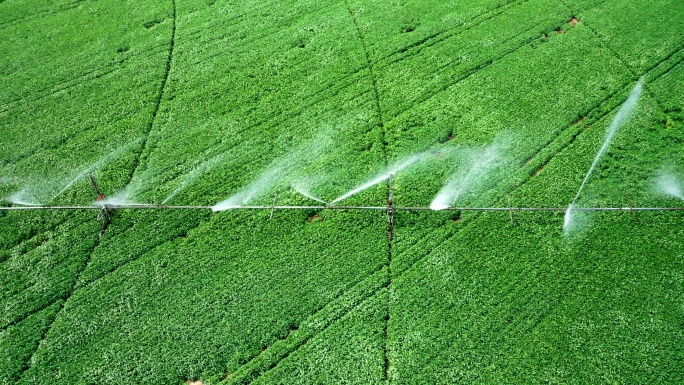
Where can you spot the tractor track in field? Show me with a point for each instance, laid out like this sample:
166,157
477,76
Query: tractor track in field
507,293
137,257
74,285
433,39
96,74
29,314
386,358
347,80
340,85
9,260
32,237
627,66
581,129
473,71
405,270
160,97
323,93
207,43
251,370
390,219
62,8
64,300
89,75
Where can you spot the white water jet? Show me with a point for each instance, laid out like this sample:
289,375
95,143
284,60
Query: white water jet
669,185
194,174
623,114
567,220
120,199
307,194
252,190
455,188
390,172
104,160
24,198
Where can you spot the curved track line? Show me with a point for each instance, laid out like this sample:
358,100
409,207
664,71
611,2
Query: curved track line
383,131
160,96
97,240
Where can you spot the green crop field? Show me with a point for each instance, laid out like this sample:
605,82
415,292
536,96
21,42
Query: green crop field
196,102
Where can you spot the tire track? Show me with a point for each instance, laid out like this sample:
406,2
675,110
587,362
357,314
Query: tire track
446,238
481,318
90,75
207,43
473,71
98,239
438,37
62,8
31,237
114,269
385,144
350,299
64,300
29,314
348,80
160,96
624,62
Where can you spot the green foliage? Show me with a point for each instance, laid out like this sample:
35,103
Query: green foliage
18,342
191,101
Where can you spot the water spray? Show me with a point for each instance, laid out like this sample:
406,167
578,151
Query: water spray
106,212
134,206
307,194
669,185
619,120
387,174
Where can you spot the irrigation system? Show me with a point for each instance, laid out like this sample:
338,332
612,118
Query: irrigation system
326,207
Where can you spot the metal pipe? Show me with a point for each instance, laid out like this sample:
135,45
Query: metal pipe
383,208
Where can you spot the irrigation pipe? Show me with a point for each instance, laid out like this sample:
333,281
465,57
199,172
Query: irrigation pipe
383,208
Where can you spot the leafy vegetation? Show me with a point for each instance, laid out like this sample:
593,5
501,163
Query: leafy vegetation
188,102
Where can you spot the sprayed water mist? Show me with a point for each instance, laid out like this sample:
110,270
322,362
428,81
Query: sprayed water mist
390,172
194,174
25,198
251,191
483,163
281,171
307,194
669,185
104,160
619,120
